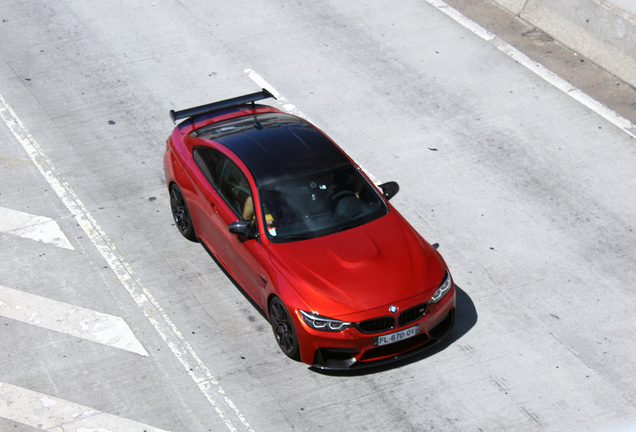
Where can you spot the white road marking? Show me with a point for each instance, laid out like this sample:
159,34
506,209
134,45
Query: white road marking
52,414
291,108
179,346
543,72
68,319
282,100
38,228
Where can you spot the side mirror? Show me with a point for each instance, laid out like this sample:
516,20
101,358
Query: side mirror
389,189
243,228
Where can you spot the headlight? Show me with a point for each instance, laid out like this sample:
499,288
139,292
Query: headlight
443,289
323,323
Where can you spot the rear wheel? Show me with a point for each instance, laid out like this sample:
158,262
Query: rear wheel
283,328
181,214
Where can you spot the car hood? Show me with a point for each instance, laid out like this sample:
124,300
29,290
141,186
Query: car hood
362,268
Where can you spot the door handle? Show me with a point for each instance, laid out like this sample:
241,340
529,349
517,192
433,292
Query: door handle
214,208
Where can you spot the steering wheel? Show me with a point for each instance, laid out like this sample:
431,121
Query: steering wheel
342,194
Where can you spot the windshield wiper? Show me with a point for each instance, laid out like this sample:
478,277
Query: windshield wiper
352,224
296,237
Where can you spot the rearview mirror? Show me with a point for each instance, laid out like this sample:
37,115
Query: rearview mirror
389,189
243,228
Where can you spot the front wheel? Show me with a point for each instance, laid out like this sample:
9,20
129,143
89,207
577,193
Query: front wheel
283,328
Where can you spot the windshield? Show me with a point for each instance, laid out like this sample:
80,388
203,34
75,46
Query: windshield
319,204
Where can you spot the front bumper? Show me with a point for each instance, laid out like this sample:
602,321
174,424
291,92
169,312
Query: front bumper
352,349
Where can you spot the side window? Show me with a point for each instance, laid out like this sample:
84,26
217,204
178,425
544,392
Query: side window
235,189
227,179
210,162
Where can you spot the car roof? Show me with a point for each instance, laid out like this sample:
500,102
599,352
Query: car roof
275,146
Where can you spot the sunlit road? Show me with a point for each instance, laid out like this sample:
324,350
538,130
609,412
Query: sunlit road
530,194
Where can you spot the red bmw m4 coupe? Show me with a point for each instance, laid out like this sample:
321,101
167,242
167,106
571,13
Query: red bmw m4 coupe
343,278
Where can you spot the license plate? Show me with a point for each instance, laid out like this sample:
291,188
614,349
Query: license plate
397,336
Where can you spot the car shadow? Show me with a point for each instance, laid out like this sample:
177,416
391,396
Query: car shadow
235,283
465,320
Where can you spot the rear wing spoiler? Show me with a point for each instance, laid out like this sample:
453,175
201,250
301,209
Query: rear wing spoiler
214,106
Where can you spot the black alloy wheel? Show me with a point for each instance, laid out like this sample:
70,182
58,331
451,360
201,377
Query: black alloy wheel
283,328
181,214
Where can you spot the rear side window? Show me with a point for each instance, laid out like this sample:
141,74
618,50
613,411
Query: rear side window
210,162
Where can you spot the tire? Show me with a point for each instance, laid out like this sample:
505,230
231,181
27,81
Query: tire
181,214
283,329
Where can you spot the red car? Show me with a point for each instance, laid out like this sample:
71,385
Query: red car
344,279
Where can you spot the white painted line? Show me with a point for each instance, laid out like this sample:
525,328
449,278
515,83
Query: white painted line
68,319
291,108
52,414
462,19
616,10
282,100
543,72
179,346
38,228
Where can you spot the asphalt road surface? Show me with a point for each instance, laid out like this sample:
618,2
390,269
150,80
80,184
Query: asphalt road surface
110,321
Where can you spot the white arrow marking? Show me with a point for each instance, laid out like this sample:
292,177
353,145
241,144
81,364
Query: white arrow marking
56,415
38,228
158,317
68,319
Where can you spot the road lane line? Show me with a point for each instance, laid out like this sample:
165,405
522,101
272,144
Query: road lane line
547,75
282,100
38,228
68,319
52,414
158,317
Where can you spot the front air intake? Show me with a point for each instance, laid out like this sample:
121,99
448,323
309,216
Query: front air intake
412,315
376,325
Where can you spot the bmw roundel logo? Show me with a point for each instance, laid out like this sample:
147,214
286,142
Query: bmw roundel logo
393,309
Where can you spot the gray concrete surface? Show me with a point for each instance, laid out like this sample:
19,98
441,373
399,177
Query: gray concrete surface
603,31
529,194
541,47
